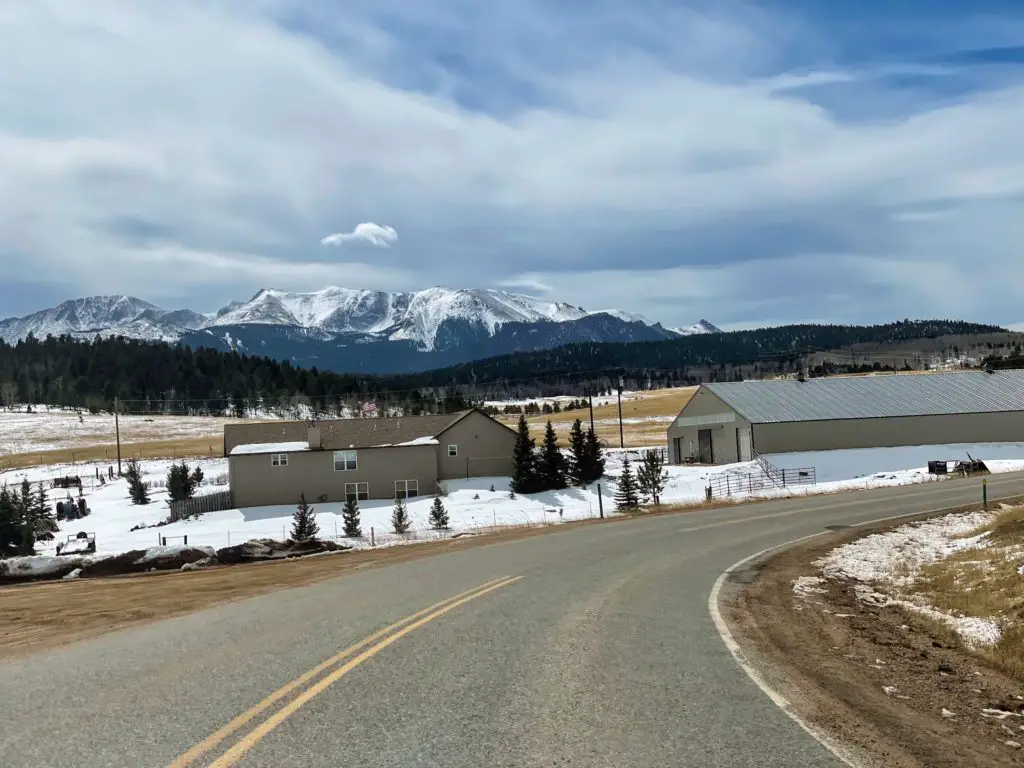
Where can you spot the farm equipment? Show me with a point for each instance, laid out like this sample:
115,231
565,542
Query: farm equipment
81,543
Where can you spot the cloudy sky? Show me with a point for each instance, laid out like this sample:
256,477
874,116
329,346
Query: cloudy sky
748,162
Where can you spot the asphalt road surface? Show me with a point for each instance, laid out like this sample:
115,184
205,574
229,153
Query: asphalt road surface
586,647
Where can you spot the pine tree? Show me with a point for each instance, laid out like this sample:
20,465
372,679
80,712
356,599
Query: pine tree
627,496
594,464
438,515
304,525
524,460
183,482
551,468
400,516
350,517
12,533
44,522
651,477
577,453
136,487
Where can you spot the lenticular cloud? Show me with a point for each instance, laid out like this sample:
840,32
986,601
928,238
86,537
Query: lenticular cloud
373,234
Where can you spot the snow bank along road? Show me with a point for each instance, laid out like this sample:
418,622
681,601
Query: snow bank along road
590,647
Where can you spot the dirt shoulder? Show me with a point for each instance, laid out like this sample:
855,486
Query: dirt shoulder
897,688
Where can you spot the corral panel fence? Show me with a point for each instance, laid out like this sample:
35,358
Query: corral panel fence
211,502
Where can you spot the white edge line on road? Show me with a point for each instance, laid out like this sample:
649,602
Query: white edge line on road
840,752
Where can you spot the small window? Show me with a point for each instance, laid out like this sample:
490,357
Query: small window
345,461
406,489
279,459
453,450
357,491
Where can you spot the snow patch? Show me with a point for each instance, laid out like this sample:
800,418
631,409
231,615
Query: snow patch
250,449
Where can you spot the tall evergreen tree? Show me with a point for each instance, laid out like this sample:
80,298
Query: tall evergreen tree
551,467
350,518
400,516
651,476
524,460
577,453
438,515
627,495
12,529
304,525
594,458
136,486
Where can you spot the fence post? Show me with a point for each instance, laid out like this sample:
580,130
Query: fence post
600,502
371,537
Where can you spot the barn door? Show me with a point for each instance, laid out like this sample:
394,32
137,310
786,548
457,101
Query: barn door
705,449
745,453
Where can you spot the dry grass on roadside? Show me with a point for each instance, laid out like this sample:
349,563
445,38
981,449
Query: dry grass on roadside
985,582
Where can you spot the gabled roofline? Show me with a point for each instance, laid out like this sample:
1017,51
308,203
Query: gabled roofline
474,410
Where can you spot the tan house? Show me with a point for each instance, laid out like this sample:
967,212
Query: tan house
273,462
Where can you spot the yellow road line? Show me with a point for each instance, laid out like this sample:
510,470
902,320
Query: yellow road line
254,737
217,737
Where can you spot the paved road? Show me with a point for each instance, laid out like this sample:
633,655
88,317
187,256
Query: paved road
601,653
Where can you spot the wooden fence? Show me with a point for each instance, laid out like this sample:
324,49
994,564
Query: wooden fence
211,502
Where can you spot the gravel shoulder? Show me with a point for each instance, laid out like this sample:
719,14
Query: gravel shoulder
896,688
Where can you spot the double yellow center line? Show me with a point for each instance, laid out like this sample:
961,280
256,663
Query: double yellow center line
349,659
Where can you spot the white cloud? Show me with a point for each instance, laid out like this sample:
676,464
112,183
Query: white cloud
527,283
242,139
374,234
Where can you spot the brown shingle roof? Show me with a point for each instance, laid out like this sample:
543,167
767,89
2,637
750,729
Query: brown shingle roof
337,434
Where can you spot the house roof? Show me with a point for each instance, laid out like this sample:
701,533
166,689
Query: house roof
832,398
338,434
249,449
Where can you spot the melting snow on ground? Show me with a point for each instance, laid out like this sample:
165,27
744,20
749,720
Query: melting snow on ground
895,559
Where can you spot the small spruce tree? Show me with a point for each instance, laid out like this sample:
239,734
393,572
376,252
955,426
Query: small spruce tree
400,516
183,482
594,466
12,533
651,476
44,521
137,490
350,517
304,525
577,453
524,460
438,515
627,495
551,468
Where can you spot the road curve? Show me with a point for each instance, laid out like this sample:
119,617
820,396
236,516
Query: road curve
592,646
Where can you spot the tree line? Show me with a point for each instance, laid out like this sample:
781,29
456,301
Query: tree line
165,378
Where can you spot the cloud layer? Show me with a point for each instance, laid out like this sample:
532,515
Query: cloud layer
744,162
373,234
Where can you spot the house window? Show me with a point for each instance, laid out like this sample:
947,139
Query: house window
453,450
357,491
279,459
406,489
345,461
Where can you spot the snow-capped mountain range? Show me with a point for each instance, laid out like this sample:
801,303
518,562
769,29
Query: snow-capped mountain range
453,324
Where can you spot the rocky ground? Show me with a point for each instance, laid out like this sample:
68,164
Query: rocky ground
900,689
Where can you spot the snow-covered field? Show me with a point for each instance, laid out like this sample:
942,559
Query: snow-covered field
22,432
887,566
563,399
471,504
831,466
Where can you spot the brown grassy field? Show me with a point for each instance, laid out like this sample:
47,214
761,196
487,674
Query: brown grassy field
645,418
211,445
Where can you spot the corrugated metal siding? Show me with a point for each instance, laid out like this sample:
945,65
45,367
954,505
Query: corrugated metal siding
826,399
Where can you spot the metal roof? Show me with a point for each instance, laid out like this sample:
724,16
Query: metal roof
866,397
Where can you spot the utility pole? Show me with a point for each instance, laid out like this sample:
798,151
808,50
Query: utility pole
622,439
590,400
117,432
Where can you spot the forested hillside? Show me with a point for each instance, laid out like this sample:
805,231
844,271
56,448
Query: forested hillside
160,377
